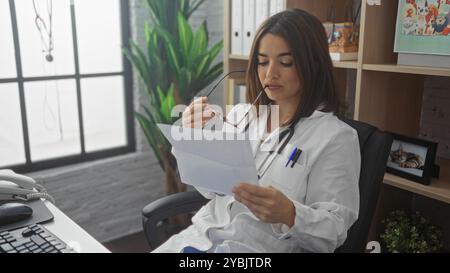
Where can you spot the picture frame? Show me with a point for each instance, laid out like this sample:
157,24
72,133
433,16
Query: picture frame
422,27
412,158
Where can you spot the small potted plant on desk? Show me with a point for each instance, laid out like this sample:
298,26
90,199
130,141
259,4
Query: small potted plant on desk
410,234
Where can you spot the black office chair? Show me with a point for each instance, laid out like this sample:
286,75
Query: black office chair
375,146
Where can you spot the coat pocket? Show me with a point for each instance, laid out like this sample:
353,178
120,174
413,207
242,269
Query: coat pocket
289,178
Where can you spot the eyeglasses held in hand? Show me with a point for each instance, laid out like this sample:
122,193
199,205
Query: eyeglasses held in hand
236,125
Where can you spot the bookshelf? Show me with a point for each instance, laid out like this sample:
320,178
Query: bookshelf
438,190
418,70
384,94
345,64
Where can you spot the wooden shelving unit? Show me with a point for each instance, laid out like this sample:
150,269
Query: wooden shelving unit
345,64
386,95
419,70
439,188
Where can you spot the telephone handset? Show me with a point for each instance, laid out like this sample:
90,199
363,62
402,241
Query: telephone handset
15,186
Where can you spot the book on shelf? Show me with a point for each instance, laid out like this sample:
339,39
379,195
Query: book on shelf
343,56
423,60
246,17
422,33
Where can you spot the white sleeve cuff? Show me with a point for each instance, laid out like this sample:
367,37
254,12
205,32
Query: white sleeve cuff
281,230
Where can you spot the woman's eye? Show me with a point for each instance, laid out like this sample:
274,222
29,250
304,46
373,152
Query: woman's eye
287,64
283,63
263,63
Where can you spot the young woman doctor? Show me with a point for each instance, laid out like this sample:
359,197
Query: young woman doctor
310,206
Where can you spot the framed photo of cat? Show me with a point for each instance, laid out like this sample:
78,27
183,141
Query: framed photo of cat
412,158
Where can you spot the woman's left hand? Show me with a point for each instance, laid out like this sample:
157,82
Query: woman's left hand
267,203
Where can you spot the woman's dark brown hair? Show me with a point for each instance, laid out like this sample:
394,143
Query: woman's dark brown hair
306,37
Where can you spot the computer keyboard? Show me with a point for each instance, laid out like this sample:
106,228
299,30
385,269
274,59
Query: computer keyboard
32,239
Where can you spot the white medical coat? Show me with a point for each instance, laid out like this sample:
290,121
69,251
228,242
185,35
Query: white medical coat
323,186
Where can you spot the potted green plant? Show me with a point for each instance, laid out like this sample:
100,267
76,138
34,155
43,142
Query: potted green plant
410,234
175,65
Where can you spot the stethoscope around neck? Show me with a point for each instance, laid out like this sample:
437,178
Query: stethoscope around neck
285,136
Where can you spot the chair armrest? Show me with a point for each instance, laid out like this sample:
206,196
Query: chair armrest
167,206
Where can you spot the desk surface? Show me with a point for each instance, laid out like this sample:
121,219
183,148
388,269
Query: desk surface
71,233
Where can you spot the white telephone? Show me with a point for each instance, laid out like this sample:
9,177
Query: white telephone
14,186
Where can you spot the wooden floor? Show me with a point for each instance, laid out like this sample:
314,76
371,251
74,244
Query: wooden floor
135,243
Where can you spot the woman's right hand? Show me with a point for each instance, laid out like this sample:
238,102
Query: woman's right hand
197,114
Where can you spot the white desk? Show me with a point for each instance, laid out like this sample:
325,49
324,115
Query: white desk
71,233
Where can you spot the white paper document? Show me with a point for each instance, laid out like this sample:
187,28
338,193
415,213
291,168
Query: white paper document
214,164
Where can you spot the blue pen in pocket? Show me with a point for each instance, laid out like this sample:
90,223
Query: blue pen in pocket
296,157
291,157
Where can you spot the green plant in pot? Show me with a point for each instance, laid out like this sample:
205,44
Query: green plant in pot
175,66
410,234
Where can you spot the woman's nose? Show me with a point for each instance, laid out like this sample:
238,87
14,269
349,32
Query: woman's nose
272,72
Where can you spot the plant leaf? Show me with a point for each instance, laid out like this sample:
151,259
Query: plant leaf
170,45
184,36
150,131
200,43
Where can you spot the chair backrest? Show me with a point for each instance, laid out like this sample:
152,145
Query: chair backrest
375,146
